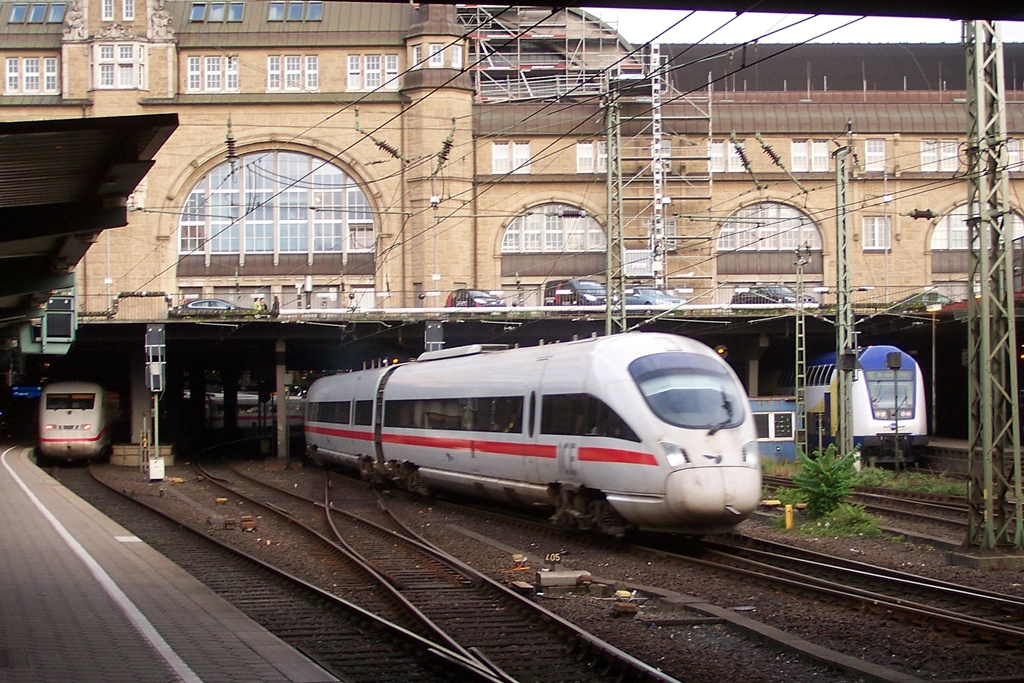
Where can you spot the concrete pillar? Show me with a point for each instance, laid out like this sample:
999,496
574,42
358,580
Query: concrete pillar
282,400
753,371
140,403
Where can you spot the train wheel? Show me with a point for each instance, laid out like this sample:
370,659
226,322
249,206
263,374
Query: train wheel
607,520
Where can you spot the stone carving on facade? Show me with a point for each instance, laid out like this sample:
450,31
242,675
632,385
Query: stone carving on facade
116,31
74,23
160,27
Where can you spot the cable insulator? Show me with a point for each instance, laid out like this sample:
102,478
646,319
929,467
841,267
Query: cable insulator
446,148
387,148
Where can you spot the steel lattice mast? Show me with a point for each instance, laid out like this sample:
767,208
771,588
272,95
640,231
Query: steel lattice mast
846,355
994,424
615,307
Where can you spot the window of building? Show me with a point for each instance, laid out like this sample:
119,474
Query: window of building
768,226
276,11
236,11
876,233
108,10
128,10
510,157
1013,155
949,155
417,56
295,11
716,152
18,13
500,158
218,10
520,157
120,66
373,72
31,76
553,228
391,72
197,12
36,13
799,161
592,157
929,155
735,161
295,204
874,154
212,74
293,72
57,11
436,56
456,51
314,11
809,155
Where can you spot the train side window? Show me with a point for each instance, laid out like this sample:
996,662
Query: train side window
582,415
364,413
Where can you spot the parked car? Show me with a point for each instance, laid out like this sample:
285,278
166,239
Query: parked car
198,307
574,293
921,301
650,296
770,294
472,298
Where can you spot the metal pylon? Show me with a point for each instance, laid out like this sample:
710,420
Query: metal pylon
800,384
846,356
615,308
994,420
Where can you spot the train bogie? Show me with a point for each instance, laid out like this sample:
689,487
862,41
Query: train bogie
634,430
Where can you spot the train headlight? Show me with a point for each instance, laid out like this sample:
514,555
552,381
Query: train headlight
751,454
87,427
881,414
675,455
48,428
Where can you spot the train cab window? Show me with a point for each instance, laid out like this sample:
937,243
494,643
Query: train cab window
582,415
689,390
364,413
70,401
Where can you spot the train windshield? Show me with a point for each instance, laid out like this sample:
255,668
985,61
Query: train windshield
890,390
70,401
689,390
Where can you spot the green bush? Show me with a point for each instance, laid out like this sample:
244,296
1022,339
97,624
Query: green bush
826,479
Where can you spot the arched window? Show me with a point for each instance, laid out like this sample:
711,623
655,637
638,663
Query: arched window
553,228
276,203
952,232
760,240
768,226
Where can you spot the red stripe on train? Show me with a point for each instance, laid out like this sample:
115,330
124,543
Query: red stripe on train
585,453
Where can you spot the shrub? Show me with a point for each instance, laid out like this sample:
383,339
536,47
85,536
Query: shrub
826,479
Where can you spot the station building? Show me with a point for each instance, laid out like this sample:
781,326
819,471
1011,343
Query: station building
358,155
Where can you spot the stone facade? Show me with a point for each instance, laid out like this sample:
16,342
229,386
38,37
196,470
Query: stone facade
344,156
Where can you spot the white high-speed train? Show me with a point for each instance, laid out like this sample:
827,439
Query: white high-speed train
76,420
637,430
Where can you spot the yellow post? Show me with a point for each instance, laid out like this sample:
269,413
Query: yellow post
789,516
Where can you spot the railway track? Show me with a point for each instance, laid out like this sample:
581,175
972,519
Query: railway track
962,610
347,640
475,616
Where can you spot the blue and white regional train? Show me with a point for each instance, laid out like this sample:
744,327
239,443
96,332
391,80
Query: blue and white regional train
75,420
889,415
637,430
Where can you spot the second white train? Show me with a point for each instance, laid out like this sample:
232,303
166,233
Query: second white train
638,430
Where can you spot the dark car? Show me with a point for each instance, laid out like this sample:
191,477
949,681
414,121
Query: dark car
922,301
650,296
770,294
472,298
574,293
198,307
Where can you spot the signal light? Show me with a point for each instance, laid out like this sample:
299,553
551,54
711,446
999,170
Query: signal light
722,350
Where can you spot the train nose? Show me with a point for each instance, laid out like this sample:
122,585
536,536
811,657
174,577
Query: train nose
724,495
